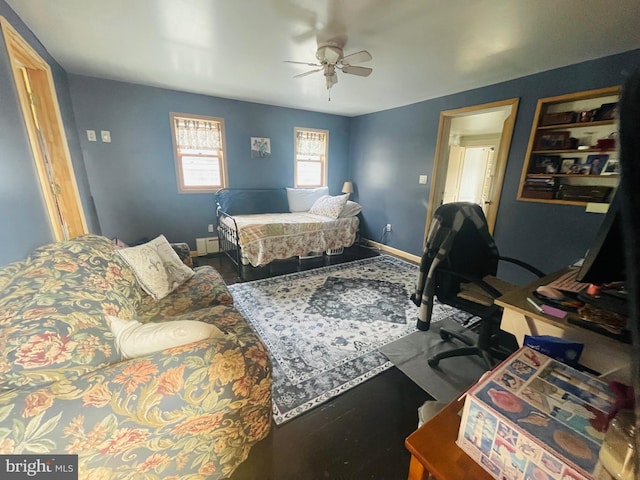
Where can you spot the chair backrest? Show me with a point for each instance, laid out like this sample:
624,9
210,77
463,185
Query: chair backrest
458,240
472,249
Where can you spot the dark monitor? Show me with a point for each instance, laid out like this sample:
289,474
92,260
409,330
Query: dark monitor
605,261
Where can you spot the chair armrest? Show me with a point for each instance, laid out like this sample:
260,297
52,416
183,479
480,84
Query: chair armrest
524,265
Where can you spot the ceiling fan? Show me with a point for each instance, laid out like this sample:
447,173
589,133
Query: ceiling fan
331,59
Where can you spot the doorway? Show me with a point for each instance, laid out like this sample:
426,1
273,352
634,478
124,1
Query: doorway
41,115
471,156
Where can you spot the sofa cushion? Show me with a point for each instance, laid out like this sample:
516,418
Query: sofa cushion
302,199
251,201
157,267
135,339
329,206
205,289
52,311
8,271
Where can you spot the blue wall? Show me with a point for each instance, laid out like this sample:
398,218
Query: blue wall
23,214
390,149
133,178
133,183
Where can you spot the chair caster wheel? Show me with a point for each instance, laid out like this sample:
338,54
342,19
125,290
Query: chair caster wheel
445,336
433,362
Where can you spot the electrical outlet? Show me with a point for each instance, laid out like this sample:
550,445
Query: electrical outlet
105,135
91,135
210,227
388,227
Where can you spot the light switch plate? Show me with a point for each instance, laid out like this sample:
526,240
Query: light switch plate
105,135
422,179
91,135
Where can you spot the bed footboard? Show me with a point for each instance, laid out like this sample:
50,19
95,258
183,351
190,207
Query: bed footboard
228,239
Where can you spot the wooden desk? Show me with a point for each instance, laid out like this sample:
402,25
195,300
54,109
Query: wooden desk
434,453
601,353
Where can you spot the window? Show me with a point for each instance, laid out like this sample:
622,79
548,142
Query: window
310,157
199,153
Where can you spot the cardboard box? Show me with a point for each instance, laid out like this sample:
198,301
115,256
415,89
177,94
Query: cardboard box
535,418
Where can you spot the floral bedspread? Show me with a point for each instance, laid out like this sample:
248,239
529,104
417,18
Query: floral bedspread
272,236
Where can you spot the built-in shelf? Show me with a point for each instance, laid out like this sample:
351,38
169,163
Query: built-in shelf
571,157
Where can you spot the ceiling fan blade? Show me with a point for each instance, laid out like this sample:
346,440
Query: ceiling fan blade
307,73
303,63
360,71
358,57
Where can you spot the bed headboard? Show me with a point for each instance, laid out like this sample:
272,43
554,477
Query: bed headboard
250,201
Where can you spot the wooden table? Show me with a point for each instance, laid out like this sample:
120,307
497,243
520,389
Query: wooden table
434,453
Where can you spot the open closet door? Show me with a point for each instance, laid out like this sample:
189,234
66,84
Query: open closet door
41,115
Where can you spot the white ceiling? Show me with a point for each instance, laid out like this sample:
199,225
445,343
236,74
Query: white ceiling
421,49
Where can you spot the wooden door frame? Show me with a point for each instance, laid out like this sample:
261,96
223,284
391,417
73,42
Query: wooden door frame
22,55
441,156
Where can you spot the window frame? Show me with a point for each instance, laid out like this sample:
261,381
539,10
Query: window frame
222,160
324,161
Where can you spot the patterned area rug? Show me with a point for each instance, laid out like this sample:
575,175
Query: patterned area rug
324,327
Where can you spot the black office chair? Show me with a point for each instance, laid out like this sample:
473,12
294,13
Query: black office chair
459,267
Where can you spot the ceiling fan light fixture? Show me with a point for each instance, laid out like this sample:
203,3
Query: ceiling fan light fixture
331,58
329,54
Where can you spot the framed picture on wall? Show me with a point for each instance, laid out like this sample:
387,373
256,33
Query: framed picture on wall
260,147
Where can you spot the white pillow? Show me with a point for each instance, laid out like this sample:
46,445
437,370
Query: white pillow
301,199
329,206
135,339
157,267
351,209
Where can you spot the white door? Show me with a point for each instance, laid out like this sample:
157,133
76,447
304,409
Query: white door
469,175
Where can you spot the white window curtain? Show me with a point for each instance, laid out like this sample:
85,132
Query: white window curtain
311,144
202,135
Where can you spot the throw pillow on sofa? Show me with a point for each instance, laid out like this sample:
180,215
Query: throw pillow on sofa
135,339
329,206
157,267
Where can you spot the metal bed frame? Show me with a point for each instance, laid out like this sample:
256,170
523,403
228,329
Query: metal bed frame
225,245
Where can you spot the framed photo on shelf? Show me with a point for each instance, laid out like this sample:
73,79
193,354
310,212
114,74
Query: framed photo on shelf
581,166
607,111
597,163
566,164
553,141
545,164
612,167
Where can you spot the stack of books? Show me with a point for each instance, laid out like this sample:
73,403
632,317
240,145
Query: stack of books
539,186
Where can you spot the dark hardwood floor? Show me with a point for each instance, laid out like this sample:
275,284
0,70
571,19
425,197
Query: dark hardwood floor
357,435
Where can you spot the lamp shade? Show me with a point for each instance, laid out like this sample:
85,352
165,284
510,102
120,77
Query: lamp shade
347,187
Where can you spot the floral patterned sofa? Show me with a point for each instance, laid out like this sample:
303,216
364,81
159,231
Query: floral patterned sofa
189,412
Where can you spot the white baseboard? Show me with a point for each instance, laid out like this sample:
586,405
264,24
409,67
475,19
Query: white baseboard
394,251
